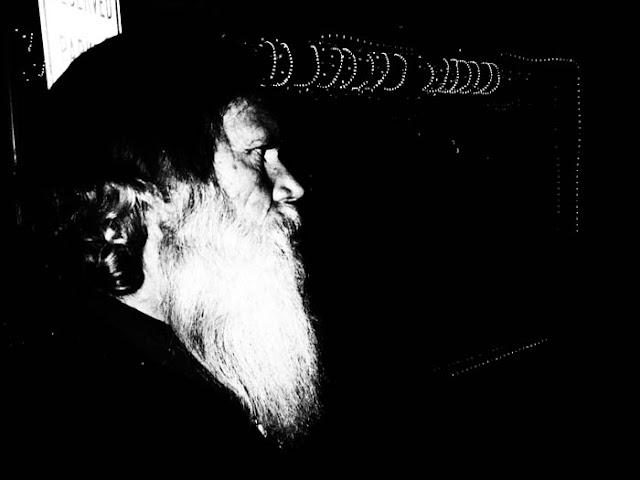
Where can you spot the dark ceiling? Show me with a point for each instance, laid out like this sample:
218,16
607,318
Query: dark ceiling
540,31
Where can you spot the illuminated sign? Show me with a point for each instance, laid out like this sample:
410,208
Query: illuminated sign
70,27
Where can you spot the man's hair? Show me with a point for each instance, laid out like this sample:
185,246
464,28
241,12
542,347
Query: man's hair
126,121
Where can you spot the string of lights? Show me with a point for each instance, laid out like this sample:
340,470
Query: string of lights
31,71
316,74
488,358
378,68
336,76
354,69
578,147
403,75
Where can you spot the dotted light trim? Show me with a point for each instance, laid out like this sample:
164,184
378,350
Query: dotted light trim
452,75
473,362
576,172
458,77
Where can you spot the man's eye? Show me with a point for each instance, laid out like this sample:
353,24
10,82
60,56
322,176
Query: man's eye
259,152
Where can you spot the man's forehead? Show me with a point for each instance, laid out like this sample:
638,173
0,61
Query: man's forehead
249,125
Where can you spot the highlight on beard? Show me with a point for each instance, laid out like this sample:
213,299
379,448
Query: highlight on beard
234,294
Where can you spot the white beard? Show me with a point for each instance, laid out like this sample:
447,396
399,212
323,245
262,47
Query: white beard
234,297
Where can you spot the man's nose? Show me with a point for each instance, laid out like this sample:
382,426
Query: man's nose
285,187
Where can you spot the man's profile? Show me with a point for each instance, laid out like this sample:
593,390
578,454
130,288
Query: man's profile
166,205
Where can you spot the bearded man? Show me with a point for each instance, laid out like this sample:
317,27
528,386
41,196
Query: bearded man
179,318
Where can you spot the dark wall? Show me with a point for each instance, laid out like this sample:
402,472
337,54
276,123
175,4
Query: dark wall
435,251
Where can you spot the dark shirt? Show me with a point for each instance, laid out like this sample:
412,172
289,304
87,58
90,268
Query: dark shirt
89,383
89,380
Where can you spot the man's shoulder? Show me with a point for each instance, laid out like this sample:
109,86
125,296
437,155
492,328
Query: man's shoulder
107,375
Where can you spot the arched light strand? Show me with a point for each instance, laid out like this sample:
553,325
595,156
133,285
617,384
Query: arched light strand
316,74
338,70
339,67
274,64
289,66
354,70
483,85
403,75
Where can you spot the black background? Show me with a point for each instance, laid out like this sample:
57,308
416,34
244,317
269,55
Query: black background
423,261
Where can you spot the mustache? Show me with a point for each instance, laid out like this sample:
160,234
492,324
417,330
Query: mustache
285,216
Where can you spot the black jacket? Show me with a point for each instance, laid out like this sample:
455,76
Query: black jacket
90,381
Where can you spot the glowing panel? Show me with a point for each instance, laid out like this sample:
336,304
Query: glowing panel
70,27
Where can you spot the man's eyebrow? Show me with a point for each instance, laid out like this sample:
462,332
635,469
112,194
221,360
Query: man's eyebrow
265,141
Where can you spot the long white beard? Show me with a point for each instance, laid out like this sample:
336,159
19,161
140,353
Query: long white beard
234,296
